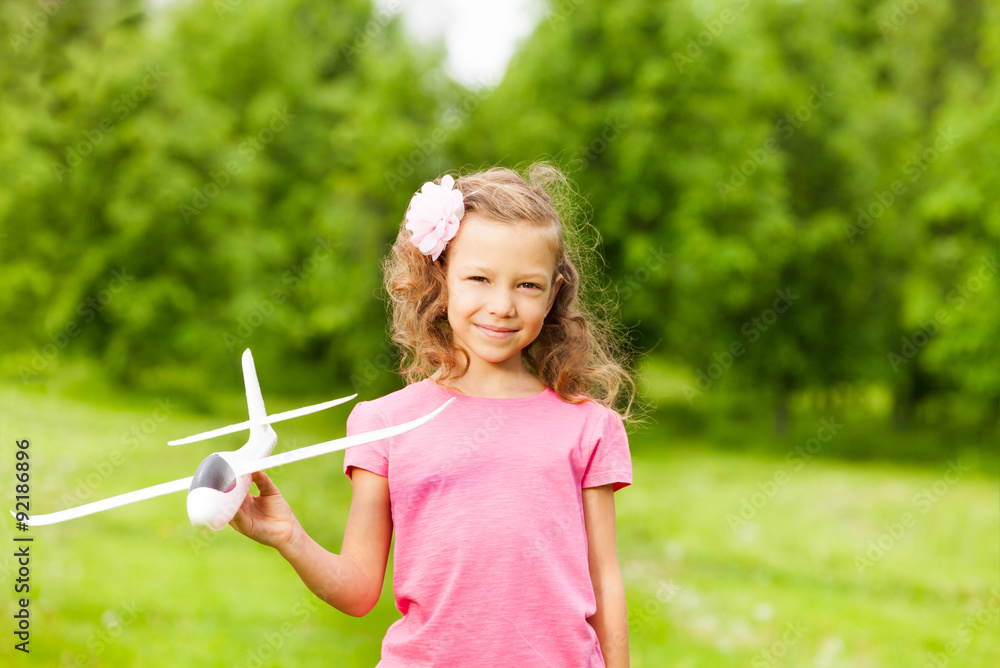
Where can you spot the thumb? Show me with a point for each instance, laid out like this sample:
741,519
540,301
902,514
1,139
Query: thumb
264,484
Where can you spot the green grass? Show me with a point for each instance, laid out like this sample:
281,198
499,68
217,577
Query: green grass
140,586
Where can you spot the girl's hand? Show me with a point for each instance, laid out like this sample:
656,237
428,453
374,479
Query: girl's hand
266,518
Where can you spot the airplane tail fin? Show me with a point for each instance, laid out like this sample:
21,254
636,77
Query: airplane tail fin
260,422
255,401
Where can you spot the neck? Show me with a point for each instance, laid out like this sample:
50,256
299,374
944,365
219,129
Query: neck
499,384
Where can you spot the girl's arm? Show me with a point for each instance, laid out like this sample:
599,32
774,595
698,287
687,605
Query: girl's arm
350,581
611,619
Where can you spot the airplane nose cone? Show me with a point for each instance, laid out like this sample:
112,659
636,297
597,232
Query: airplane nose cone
204,506
216,493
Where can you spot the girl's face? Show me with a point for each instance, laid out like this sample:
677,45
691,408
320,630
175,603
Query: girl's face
500,289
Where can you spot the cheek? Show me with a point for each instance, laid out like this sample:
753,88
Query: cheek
534,310
458,301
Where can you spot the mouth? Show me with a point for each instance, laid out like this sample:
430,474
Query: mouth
495,332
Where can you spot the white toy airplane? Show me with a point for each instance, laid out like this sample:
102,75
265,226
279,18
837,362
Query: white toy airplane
221,481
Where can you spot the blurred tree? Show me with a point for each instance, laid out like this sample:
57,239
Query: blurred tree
792,196
947,347
229,161
722,138
755,143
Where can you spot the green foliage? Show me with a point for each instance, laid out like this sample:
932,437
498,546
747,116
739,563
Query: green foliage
794,198
230,161
773,150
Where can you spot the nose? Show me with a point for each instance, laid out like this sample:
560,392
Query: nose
501,303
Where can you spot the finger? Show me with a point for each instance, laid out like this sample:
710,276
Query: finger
264,484
237,521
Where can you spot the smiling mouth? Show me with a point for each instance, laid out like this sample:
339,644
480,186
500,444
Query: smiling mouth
495,333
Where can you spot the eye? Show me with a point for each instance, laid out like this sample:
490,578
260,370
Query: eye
532,285
477,279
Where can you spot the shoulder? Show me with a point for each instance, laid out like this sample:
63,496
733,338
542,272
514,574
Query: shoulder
403,403
604,426
591,416
585,406
606,449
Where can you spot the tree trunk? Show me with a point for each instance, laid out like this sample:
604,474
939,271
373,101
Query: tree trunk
781,413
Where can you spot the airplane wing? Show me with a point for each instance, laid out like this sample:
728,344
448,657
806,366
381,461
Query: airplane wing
256,465
108,504
327,447
270,419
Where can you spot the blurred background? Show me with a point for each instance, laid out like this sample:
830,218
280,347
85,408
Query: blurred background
796,202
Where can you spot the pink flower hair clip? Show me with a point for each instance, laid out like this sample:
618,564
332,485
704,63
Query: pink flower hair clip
433,216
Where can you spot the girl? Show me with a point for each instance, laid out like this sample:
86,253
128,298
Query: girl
502,506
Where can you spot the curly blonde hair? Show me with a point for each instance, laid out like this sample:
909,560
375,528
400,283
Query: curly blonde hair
577,352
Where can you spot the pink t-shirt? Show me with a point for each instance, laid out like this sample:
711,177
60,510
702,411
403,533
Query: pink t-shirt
490,560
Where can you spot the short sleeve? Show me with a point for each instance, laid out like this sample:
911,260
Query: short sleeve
374,456
610,461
